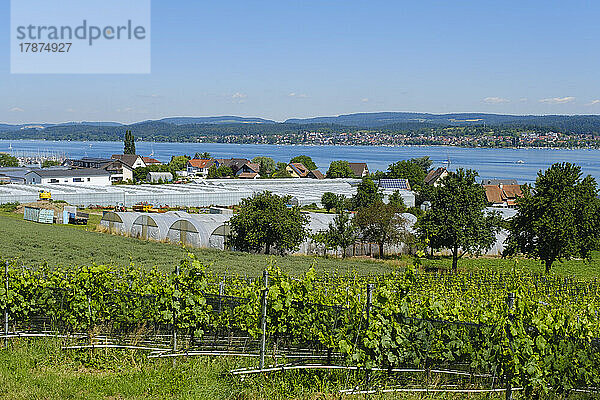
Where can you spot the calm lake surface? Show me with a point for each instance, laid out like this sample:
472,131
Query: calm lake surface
490,163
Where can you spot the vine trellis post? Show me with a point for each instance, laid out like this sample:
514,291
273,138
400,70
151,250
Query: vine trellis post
370,287
6,305
263,322
175,311
510,302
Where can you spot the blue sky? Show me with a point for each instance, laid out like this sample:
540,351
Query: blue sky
284,59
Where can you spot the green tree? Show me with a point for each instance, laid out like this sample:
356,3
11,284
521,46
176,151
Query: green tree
457,219
281,171
221,172
407,169
424,162
179,163
267,165
340,169
342,233
265,221
202,156
6,160
329,200
558,219
140,174
381,223
367,193
50,163
129,143
306,161
397,201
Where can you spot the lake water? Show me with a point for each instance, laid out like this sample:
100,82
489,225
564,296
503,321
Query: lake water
490,163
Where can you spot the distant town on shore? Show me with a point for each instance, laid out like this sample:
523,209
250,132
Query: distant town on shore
376,129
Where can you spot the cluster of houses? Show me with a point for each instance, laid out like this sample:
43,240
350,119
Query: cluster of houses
246,169
120,168
241,167
88,170
498,192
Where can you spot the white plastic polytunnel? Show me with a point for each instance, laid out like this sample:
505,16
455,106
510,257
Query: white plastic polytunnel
153,226
119,222
200,230
318,222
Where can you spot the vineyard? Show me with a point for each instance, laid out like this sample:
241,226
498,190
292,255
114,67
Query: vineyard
470,332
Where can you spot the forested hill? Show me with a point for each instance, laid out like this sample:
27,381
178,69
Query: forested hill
575,123
212,128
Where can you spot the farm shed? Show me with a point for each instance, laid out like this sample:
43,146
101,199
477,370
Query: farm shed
201,230
153,226
119,222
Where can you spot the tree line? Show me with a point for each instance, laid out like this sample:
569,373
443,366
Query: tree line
557,219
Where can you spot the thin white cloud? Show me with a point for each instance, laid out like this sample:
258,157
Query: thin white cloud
558,100
239,95
70,110
365,100
593,102
523,99
16,109
495,100
297,95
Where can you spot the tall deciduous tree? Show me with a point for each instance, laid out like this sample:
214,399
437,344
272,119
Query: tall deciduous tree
367,193
331,201
396,200
306,161
281,171
424,162
221,172
557,219
408,169
129,143
342,233
457,220
340,169
266,165
264,221
381,223
178,163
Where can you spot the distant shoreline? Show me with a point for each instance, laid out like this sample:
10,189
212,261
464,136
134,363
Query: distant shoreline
311,145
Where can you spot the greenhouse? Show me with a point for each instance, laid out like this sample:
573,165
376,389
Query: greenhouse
119,222
211,230
153,226
201,230
204,193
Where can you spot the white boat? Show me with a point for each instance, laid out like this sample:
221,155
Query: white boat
520,162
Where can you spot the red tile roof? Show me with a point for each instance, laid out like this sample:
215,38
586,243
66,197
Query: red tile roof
498,194
149,160
198,163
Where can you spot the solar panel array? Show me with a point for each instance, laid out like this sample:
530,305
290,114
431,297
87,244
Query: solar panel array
399,184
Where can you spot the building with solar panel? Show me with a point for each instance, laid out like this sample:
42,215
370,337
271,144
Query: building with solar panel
402,186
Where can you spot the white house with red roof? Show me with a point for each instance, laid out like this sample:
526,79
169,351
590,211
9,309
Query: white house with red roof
199,167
